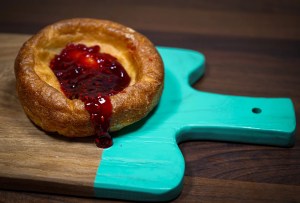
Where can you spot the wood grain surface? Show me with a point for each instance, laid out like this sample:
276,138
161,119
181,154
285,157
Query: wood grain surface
252,48
56,168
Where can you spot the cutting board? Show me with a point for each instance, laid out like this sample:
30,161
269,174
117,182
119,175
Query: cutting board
145,162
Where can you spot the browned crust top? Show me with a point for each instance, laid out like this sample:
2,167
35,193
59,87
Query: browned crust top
50,109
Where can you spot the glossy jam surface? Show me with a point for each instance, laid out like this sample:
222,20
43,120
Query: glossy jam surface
86,74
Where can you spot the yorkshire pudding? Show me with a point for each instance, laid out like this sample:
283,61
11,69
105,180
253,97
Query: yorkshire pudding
39,90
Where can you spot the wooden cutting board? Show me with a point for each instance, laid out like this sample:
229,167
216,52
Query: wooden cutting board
145,162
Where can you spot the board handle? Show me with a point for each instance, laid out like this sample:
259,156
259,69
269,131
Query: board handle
208,116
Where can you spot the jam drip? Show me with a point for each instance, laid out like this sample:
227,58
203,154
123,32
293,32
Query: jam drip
86,74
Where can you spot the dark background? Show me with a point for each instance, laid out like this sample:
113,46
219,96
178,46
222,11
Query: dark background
252,48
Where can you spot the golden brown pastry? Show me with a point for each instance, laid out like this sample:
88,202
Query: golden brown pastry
40,92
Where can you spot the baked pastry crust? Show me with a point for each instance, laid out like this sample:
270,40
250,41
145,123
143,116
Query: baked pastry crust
39,90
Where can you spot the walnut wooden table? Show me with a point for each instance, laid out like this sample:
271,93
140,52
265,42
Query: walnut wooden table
251,48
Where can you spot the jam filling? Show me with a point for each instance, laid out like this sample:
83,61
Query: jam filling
86,74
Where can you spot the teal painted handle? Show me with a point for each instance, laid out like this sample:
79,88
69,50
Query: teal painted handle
269,121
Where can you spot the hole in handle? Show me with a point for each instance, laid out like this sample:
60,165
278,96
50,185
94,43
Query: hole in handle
256,110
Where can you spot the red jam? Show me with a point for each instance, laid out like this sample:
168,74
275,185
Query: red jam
86,74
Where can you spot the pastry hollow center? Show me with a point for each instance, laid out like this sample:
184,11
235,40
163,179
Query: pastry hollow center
87,74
